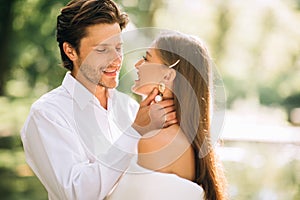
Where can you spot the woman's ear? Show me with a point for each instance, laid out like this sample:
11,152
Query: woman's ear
70,51
170,75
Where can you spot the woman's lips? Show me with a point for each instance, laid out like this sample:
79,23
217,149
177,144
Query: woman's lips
138,76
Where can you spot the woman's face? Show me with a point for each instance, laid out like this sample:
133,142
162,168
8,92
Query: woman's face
150,71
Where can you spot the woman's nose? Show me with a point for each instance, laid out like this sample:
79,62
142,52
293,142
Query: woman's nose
139,63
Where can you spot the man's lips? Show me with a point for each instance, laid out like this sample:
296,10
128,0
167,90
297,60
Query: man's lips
111,72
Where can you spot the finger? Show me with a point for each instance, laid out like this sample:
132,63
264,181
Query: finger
156,108
149,98
170,116
169,109
166,103
169,123
158,111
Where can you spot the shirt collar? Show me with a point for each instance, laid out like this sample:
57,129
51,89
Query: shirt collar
78,92
81,94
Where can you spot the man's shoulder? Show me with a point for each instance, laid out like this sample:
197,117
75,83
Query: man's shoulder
51,99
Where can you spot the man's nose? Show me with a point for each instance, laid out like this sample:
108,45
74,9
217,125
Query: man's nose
117,58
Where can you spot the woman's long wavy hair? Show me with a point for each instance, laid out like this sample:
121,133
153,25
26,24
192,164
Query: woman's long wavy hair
192,100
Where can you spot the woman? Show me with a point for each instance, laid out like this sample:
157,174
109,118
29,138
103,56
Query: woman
177,162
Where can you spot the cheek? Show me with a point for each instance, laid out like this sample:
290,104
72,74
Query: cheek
151,75
95,60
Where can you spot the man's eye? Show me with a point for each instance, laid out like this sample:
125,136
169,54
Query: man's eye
101,50
145,59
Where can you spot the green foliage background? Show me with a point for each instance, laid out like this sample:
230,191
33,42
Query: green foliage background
255,45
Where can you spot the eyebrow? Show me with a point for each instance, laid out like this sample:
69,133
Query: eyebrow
106,44
147,53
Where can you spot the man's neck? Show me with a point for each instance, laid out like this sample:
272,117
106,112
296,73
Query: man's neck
101,93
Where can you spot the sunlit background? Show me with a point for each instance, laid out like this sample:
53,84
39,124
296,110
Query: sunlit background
254,44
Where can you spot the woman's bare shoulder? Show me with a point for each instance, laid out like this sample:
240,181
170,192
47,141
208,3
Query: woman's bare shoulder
167,151
158,139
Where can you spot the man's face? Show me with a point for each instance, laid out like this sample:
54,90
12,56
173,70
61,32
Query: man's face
100,56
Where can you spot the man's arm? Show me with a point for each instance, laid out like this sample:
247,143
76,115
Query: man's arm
56,154
152,116
57,157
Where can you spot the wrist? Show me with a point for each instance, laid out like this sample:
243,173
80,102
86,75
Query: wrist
139,129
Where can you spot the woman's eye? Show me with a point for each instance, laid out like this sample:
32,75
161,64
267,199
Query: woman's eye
145,59
119,49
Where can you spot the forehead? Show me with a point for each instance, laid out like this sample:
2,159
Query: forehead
103,34
153,55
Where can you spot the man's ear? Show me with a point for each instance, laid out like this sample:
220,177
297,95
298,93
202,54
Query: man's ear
70,51
170,75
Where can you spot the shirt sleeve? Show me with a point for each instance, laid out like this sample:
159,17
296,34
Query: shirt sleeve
59,160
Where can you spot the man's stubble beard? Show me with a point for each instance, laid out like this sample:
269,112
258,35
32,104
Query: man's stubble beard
103,84
89,72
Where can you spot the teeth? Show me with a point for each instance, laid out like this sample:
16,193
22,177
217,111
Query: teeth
109,71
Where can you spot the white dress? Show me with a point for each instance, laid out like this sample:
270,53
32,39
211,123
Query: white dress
139,183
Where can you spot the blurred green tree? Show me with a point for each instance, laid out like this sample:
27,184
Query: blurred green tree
141,12
6,18
29,57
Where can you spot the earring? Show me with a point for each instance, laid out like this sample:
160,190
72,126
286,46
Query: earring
161,89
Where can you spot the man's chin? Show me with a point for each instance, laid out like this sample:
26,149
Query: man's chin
108,85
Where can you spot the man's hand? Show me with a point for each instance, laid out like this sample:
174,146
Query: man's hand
152,116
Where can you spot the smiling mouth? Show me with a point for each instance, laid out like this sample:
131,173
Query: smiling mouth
111,72
138,76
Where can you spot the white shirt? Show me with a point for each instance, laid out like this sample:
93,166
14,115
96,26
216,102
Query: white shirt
68,139
139,183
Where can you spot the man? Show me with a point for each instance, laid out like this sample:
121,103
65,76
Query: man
79,138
